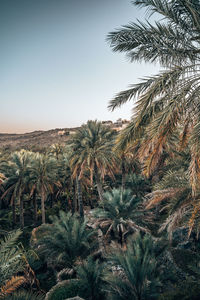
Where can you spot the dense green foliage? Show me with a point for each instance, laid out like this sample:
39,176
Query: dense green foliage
115,215
65,240
138,272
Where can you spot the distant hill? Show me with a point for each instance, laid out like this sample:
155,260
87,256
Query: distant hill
36,139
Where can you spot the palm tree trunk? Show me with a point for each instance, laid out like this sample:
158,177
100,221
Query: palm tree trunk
98,182
80,199
21,202
13,212
35,207
42,204
74,199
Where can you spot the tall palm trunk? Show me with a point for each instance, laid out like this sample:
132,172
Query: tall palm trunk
43,195
21,203
98,182
35,207
80,199
74,199
13,211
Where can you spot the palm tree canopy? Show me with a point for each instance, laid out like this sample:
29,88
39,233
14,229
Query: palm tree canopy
90,274
137,268
121,212
16,171
65,240
43,172
92,145
118,204
169,101
15,177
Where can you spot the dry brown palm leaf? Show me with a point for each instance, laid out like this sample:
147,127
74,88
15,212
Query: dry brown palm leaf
158,196
30,274
184,137
195,172
174,220
136,227
12,285
194,216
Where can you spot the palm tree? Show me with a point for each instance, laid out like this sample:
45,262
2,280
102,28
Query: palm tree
66,181
56,150
90,275
65,241
10,264
120,212
89,282
92,150
134,273
169,100
127,160
138,184
172,196
16,174
43,176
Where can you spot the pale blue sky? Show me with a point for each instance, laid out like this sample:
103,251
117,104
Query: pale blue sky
56,69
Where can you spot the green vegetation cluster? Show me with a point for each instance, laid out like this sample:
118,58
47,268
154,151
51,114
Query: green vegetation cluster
115,215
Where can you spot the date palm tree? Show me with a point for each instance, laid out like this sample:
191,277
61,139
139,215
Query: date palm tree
43,176
65,241
16,174
134,273
120,212
168,101
127,161
90,274
92,150
56,150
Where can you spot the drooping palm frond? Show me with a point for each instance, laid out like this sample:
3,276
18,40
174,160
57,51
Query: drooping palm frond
173,41
167,41
172,10
195,158
162,42
173,196
151,87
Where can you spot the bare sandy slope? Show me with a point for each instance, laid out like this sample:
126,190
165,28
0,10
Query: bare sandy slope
36,139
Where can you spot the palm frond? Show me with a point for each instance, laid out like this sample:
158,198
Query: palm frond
11,285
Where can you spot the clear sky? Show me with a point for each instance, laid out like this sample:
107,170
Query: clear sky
56,69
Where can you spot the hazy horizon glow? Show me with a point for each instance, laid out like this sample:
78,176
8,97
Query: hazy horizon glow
56,68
